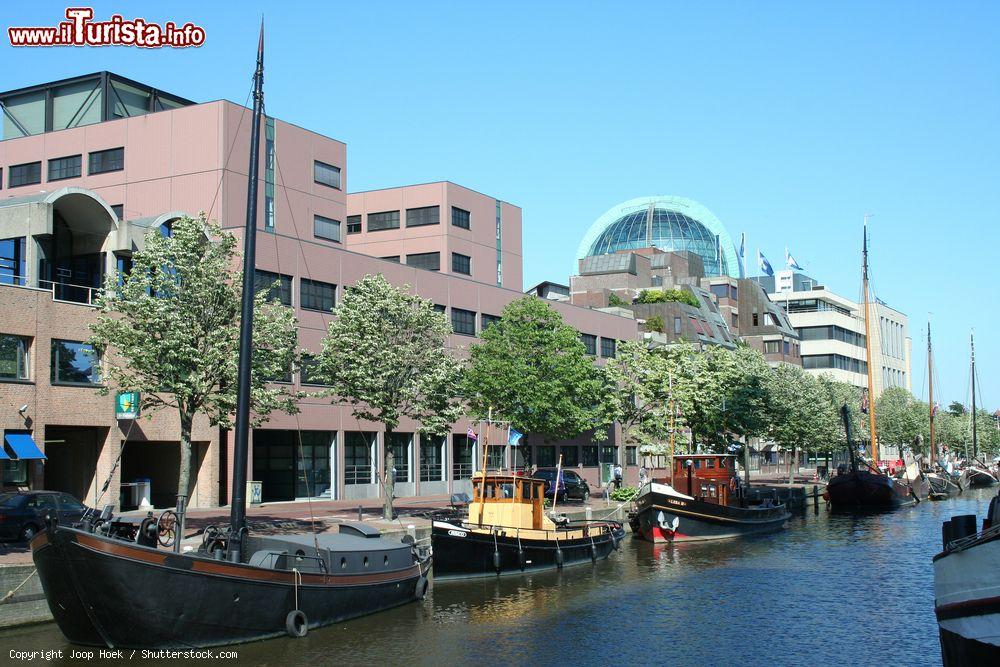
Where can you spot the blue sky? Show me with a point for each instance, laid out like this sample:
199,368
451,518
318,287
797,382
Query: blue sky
789,121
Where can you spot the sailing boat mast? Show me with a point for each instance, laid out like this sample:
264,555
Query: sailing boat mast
868,348
975,442
930,390
237,517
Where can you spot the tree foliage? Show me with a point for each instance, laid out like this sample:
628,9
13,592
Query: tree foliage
385,354
637,394
171,330
667,295
532,370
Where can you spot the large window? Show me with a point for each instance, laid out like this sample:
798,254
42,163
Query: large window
65,167
487,320
309,371
832,333
461,264
12,261
14,357
384,220
400,444
589,455
571,456
463,321
545,456
358,447
100,162
427,215
462,450
460,217
25,174
326,228
772,347
326,174
814,361
432,458
317,295
631,456
608,347
278,286
354,224
589,343
430,261
74,363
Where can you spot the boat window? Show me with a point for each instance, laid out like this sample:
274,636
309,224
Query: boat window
506,490
697,462
385,559
710,463
526,491
366,557
343,561
722,462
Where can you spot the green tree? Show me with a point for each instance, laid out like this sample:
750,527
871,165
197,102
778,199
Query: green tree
533,370
899,417
385,354
171,332
636,395
615,300
798,410
655,323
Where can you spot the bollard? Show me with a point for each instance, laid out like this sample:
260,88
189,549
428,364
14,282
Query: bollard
590,513
815,499
359,514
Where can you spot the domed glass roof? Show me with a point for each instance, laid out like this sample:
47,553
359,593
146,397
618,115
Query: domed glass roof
667,223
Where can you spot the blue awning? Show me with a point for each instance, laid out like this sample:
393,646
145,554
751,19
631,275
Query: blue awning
24,447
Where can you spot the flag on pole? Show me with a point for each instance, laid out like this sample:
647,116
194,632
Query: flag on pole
790,261
471,435
763,264
743,247
514,439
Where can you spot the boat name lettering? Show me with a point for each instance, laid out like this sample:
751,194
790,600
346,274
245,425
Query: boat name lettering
679,503
458,533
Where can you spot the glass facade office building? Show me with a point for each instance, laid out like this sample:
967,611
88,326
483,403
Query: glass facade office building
668,223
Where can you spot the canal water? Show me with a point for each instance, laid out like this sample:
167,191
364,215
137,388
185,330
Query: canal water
831,589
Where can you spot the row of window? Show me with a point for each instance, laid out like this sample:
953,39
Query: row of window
313,294
415,217
782,347
838,361
609,346
70,166
72,362
832,332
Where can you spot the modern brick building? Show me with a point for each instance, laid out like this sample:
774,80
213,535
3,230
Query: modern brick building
91,165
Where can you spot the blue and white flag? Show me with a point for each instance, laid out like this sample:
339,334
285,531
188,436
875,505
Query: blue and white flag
765,266
515,438
790,261
743,247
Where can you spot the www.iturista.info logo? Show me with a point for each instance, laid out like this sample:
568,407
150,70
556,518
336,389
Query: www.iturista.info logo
81,30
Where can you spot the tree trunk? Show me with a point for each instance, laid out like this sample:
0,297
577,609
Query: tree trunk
792,461
389,476
184,475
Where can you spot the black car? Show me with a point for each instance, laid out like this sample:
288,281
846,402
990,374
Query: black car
22,514
571,486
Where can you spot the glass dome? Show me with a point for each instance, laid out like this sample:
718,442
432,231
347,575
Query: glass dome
668,223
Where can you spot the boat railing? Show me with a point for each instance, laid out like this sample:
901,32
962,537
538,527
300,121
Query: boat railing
273,561
603,526
964,543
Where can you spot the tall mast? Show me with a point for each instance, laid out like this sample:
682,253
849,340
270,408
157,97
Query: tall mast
237,517
975,442
868,347
930,388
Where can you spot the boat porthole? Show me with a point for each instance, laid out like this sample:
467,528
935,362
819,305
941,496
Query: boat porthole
343,563
236,597
366,561
385,561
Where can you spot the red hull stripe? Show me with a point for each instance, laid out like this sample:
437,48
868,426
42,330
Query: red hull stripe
978,607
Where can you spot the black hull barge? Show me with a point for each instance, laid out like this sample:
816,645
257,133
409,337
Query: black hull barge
463,551
507,531
104,591
862,489
664,515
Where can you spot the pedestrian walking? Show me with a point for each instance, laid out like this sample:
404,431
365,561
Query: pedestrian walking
618,476
643,475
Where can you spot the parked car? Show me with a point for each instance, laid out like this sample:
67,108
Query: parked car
571,485
22,514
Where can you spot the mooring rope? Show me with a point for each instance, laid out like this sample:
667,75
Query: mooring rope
11,593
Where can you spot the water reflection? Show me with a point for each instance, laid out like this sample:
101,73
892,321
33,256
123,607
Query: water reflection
832,588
